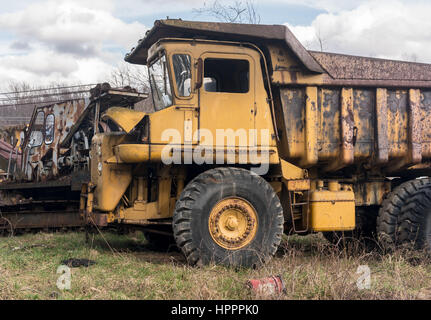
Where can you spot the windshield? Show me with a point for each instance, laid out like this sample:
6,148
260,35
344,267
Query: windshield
160,85
183,74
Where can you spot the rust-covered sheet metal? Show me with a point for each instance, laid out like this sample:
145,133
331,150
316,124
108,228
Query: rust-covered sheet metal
7,151
61,218
69,118
106,97
66,114
347,70
385,128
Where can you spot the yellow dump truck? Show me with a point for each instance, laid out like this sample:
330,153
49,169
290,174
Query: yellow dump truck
253,136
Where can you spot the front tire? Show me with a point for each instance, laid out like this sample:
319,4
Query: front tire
228,216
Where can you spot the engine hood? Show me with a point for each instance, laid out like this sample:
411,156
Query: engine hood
125,118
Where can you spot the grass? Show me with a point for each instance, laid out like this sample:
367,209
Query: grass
127,269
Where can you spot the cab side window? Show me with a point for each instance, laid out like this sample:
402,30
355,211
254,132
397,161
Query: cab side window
226,75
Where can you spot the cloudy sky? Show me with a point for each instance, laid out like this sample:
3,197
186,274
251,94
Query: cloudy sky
81,41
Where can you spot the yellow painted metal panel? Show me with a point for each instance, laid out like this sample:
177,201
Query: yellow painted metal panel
291,172
332,211
415,126
111,180
125,118
332,216
311,126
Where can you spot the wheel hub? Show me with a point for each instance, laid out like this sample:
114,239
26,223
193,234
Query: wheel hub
233,223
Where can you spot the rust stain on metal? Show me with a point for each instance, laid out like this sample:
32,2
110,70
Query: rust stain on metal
298,185
64,116
347,67
293,76
382,143
415,127
347,126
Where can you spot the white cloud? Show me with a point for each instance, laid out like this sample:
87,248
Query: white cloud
327,5
71,41
41,63
42,41
66,24
385,29
133,8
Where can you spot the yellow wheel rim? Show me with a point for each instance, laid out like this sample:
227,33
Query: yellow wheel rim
233,223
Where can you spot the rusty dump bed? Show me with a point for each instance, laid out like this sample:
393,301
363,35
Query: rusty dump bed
354,70
360,112
338,127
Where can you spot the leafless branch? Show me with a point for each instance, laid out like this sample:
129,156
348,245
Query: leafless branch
238,12
321,41
127,75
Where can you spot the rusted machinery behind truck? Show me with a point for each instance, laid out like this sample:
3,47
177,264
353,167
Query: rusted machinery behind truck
253,136
49,162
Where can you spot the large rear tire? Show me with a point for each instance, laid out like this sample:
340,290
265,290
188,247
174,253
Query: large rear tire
414,231
228,216
390,214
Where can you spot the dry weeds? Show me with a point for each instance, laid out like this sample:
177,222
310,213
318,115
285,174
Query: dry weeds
126,269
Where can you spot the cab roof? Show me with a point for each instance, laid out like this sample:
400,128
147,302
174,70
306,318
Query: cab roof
256,34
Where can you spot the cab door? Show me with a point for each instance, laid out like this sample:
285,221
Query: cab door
181,114
227,95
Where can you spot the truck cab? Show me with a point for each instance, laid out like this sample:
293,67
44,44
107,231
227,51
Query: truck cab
201,86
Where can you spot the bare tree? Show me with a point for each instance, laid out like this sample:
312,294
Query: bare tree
135,77
320,39
238,12
18,99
